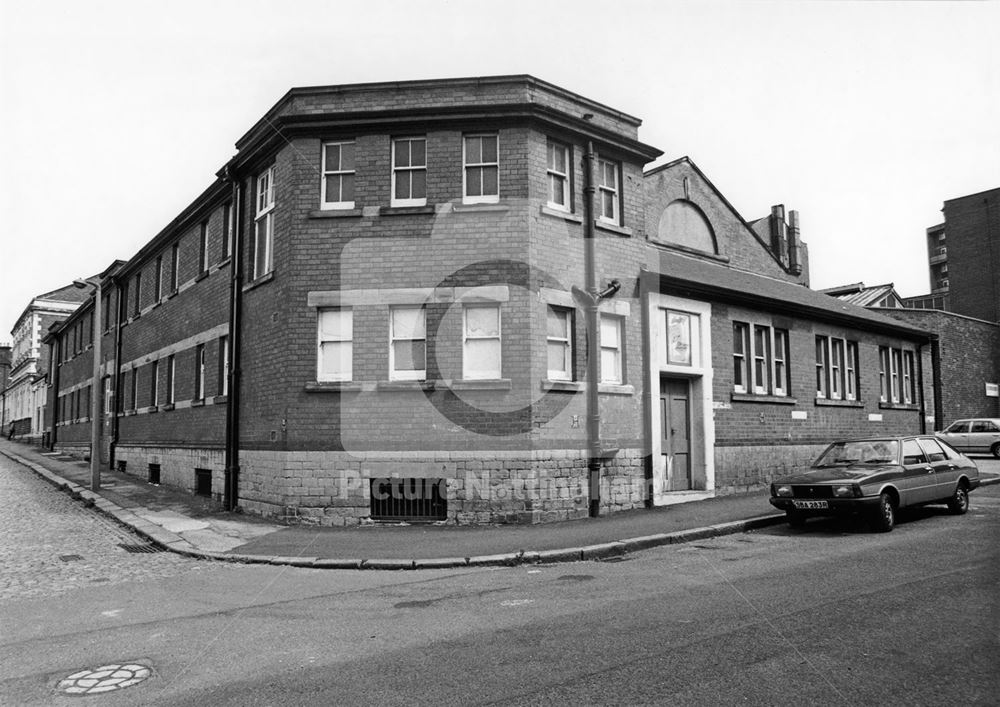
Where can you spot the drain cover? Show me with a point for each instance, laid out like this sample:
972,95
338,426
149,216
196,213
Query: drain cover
143,547
70,558
94,681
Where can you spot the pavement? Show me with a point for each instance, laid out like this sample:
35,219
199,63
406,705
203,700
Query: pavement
175,520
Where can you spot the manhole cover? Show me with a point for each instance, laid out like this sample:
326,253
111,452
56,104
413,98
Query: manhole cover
106,678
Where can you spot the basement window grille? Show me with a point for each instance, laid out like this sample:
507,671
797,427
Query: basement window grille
408,499
121,465
154,473
203,482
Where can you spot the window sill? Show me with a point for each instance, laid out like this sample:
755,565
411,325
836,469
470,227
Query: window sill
262,280
167,407
219,399
562,386
405,385
613,228
484,207
560,214
198,403
171,295
130,413
406,210
897,406
484,384
824,402
152,409
615,389
201,276
224,262
755,398
333,387
335,213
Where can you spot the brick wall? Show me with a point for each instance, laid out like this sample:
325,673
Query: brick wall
969,358
973,241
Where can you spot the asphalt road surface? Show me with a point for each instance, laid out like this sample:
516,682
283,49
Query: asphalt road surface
831,614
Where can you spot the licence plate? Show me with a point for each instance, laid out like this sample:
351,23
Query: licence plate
810,504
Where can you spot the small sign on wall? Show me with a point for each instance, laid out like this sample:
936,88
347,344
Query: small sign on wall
875,417
993,390
800,415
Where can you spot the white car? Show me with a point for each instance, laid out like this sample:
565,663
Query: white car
975,435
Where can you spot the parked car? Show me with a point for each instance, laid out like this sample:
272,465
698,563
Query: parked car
877,477
980,435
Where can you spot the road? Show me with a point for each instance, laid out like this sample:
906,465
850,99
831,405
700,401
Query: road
828,615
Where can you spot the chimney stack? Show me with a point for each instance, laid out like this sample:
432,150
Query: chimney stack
779,234
794,244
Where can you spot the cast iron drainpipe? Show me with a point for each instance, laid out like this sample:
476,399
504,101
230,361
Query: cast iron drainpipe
232,460
119,393
592,298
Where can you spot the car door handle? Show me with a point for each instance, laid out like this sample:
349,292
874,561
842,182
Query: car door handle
929,469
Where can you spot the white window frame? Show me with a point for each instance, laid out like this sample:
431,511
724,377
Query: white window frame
605,189
347,373
419,374
224,364
837,348
741,333
908,390
761,360
263,232
469,373
203,253
779,367
554,176
408,169
171,379
199,372
851,370
466,166
566,343
616,376
154,383
896,360
326,171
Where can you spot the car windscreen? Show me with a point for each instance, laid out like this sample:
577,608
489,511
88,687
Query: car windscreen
879,451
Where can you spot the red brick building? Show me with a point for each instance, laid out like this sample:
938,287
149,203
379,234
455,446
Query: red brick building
466,300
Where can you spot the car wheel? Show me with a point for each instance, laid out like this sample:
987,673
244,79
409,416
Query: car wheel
795,519
884,518
996,450
959,502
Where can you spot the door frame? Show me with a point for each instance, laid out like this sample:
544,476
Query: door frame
700,377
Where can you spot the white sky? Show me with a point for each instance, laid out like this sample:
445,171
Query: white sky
863,116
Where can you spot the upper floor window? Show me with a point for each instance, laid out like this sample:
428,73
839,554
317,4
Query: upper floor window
481,359
154,383
560,195
896,375
482,169
137,302
336,345
227,230
612,369
223,386
836,368
171,380
158,279
609,191
559,343
175,265
409,171
338,175
263,261
407,343
760,359
203,247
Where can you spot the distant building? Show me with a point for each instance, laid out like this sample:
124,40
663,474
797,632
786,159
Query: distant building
4,375
875,296
963,257
26,391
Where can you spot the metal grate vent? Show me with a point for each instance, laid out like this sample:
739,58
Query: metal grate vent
408,499
140,548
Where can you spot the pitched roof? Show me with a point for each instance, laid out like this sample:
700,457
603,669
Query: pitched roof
697,277
863,296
